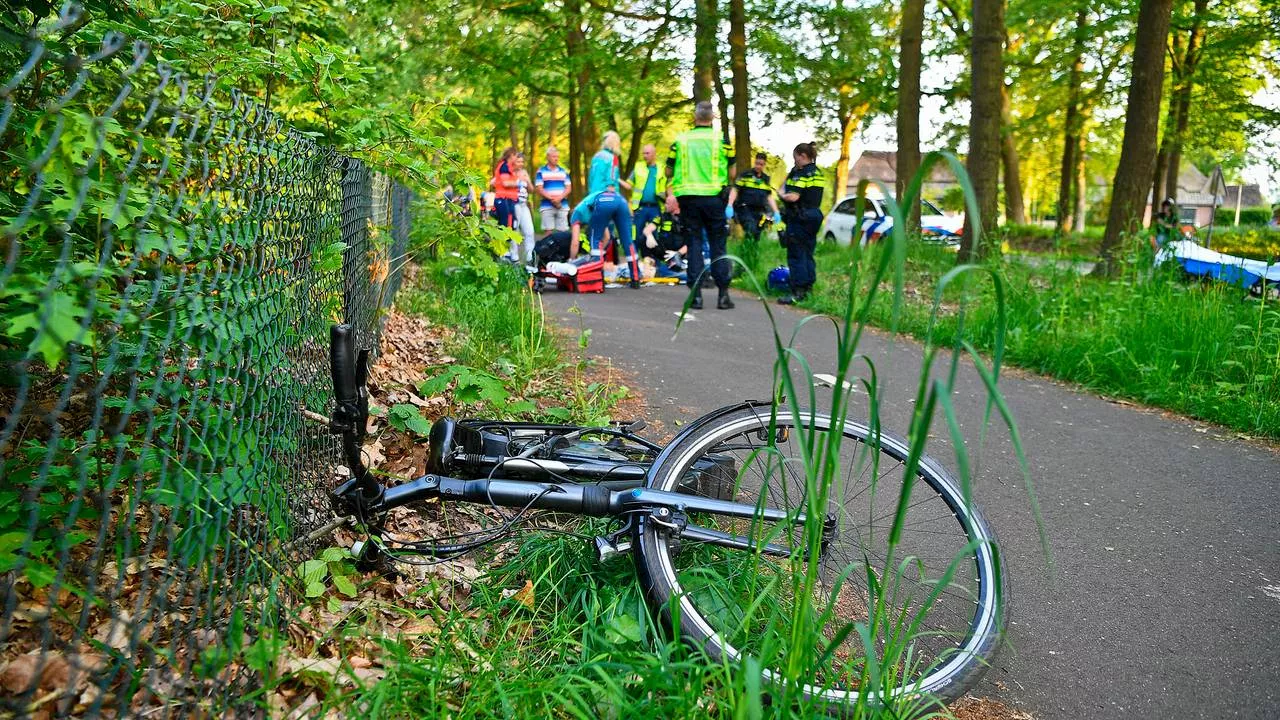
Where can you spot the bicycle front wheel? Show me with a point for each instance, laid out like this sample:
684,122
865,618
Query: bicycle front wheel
930,605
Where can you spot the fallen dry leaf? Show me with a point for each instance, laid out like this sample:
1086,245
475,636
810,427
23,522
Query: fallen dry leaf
114,633
19,675
524,595
373,454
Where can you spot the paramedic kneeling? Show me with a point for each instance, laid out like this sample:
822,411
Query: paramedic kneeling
597,211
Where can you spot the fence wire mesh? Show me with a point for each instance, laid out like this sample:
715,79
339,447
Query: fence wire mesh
173,256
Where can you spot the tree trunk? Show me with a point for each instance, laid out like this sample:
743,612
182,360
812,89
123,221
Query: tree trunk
741,100
722,100
1071,135
1184,84
513,128
910,62
579,82
1162,171
705,50
987,79
1142,119
1082,188
553,126
575,149
531,134
849,120
1014,211
1183,103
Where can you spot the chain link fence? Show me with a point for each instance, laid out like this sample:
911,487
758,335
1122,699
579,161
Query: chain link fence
173,256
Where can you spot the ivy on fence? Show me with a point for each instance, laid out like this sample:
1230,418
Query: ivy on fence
173,256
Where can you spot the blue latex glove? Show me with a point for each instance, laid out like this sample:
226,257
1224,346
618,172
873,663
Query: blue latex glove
728,212
777,218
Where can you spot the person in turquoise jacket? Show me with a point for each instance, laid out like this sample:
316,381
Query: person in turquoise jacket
604,173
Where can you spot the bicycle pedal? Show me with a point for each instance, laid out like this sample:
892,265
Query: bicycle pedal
607,550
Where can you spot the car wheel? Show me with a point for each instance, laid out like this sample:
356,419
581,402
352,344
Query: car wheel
829,238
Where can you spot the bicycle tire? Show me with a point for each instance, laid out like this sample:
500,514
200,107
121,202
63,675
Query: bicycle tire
679,583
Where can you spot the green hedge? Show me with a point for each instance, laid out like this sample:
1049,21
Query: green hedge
1248,216
1257,242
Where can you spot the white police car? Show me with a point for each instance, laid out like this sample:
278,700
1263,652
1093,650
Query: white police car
876,222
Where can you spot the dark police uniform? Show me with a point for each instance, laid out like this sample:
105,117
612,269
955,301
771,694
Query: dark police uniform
753,199
803,219
670,234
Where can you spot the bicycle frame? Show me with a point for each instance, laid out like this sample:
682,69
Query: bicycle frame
368,500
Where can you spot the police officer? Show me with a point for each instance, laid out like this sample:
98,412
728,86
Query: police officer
698,169
752,196
802,193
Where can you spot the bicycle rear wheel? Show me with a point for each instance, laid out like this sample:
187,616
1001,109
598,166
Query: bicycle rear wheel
934,624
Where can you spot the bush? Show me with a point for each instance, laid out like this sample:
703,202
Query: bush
1248,216
1259,242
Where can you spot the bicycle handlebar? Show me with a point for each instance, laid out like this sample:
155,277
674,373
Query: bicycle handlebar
342,364
350,415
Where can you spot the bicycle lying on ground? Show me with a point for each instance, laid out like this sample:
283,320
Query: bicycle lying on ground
730,555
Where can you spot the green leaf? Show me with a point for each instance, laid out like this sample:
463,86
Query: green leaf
344,585
558,413
57,323
261,654
623,629
314,589
39,574
313,571
521,407
335,554
407,418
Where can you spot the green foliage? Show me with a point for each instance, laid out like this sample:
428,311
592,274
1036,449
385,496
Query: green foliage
1198,348
408,419
1226,216
334,569
1258,243
1038,238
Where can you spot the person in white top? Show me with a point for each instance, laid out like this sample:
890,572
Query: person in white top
524,215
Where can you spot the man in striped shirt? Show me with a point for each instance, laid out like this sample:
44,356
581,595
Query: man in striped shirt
552,183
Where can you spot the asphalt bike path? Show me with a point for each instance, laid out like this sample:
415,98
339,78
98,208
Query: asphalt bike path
1163,596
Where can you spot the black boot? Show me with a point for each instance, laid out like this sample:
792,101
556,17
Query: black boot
797,294
634,284
696,304
724,302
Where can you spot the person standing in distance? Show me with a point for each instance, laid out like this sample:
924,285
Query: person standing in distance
553,183
649,187
698,169
802,193
751,196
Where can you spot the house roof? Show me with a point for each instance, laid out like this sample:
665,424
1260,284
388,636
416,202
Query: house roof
1250,196
1195,189
882,165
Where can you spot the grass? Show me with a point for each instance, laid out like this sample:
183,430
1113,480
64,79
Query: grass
501,330
548,632
1204,349
574,640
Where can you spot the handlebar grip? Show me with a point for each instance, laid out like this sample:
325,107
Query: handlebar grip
342,363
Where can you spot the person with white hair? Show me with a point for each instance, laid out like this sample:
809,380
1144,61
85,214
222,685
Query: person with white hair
698,169
553,184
